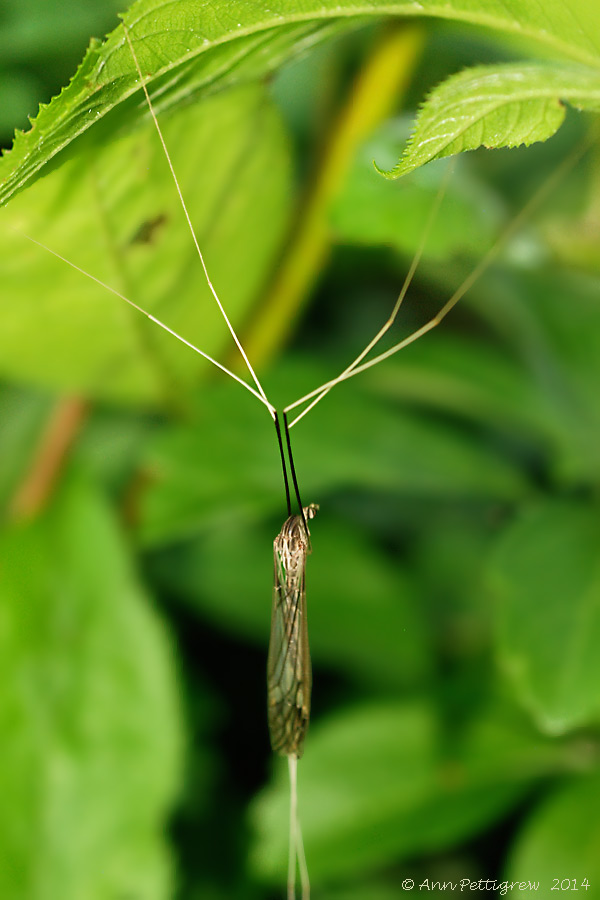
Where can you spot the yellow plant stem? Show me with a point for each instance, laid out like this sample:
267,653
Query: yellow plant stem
374,95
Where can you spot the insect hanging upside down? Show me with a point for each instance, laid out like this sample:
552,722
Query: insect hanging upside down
288,667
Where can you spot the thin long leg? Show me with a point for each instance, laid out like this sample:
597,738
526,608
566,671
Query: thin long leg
483,264
152,318
293,837
392,317
304,879
188,219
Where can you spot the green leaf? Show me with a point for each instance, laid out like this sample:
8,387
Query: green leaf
378,784
368,211
496,106
485,771
367,767
477,382
561,839
563,342
448,555
193,50
546,578
539,387
114,212
100,212
90,731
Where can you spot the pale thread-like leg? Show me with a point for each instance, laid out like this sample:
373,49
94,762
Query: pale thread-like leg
152,318
296,847
293,837
304,879
258,392
189,221
355,368
321,393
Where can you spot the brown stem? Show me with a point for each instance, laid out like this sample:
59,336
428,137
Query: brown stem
57,439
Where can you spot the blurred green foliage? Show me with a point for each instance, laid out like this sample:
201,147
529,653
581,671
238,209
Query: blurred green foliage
454,587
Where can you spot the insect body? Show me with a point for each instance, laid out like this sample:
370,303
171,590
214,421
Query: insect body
288,667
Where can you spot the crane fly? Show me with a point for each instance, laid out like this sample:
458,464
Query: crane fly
289,675
288,666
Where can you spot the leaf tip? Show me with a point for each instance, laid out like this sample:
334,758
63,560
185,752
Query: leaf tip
390,174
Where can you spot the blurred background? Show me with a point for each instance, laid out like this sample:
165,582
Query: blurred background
454,583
